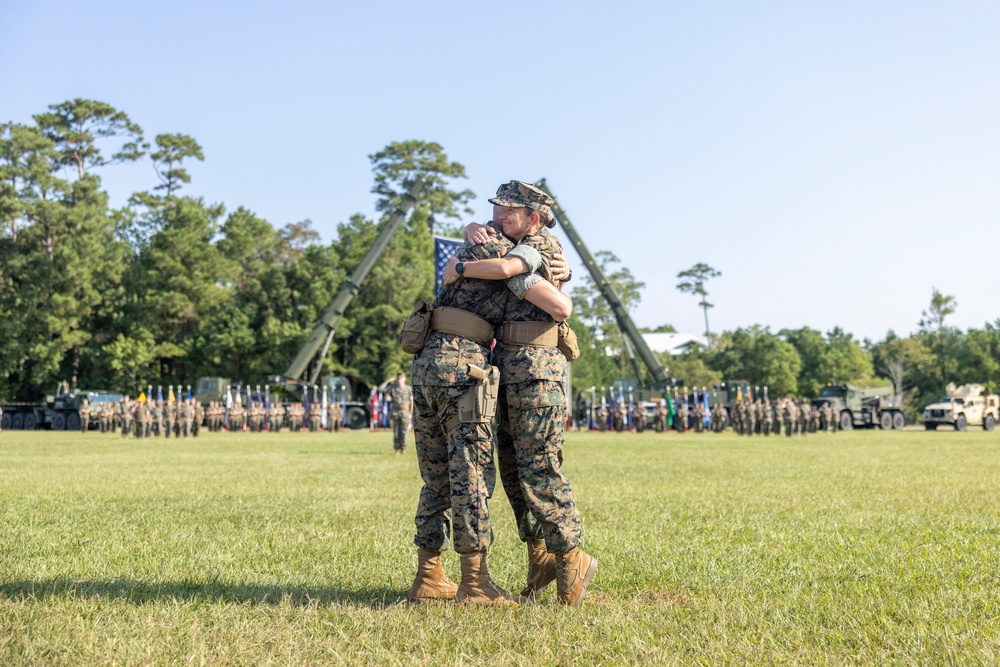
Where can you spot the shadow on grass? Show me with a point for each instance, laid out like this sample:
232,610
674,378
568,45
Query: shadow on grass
142,592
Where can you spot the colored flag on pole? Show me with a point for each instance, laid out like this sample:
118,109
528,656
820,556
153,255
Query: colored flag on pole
159,393
708,410
267,407
444,249
343,406
671,412
322,418
170,393
142,397
229,403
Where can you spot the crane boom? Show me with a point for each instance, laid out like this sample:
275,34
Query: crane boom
625,323
322,333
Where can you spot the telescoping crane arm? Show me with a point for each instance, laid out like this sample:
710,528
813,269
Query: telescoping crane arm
625,323
322,334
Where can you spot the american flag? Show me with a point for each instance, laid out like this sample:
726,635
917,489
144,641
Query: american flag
444,249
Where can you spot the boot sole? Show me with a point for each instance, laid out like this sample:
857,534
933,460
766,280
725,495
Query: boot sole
587,577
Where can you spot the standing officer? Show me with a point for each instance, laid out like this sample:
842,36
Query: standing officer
400,397
455,392
532,409
84,415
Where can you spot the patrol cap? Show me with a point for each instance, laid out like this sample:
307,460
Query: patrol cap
518,194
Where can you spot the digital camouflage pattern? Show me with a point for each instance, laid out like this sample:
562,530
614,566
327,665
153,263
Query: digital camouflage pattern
519,194
530,463
458,473
457,467
523,363
400,399
531,425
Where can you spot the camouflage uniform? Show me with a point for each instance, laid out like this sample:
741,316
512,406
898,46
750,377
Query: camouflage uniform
621,417
199,419
186,414
660,418
334,414
455,457
639,418
532,420
128,416
400,399
170,418
236,417
84,416
601,417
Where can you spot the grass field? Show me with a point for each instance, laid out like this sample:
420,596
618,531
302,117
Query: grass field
854,548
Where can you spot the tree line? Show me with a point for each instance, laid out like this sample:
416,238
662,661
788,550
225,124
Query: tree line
171,287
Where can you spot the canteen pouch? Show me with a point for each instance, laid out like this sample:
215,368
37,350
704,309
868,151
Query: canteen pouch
478,404
567,342
417,327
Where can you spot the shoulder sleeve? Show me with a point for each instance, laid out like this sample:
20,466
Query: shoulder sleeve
530,256
520,285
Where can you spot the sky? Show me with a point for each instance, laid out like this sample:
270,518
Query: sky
835,161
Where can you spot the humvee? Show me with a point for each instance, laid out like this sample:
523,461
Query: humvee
962,407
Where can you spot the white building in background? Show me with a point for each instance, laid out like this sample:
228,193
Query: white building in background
674,343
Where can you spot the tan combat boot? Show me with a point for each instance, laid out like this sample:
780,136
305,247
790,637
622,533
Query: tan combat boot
541,568
574,570
431,583
477,587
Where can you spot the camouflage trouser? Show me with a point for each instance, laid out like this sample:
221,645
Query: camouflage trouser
458,473
532,421
399,424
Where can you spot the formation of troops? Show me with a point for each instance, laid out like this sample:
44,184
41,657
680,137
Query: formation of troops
758,417
184,418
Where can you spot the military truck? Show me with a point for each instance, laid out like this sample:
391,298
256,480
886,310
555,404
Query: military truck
59,411
962,407
863,407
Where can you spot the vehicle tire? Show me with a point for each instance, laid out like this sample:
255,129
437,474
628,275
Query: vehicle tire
72,422
846,423
898,421
29,422
885,421
18,421
356,416
960,423
58,422
930,427
989,423
5,424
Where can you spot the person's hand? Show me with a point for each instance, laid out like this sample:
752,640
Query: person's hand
559,267
450,274
478,234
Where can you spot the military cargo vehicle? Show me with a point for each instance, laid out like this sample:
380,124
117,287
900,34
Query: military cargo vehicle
962,407
59,411
863,407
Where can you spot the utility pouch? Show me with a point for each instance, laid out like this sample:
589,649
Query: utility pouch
567,341
478,405
417,327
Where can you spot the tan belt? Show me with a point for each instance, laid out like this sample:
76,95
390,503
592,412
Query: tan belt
539,334
462,323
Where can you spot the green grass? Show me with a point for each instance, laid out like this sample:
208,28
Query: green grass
854,548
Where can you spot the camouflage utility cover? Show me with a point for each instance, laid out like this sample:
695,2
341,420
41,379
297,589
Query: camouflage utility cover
518,194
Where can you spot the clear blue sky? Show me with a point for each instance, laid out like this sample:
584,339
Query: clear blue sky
834,160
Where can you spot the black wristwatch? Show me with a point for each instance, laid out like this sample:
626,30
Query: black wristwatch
460,268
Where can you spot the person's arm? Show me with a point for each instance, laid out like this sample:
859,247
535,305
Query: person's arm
499,268
521,259
544,295
478,234
560,269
